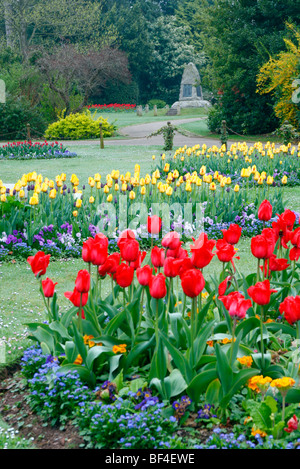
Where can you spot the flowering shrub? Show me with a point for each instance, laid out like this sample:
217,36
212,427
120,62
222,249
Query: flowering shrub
79,126
34,150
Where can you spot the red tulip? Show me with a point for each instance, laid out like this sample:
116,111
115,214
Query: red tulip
275,265
83,281
98,250
238,306
184,265
290,307
171,267
110,265
225,251
157,286
144,275
157,256
265,211
124,275
262,247
295,240
171,240
192,282
138,262
224,285
227,299
48,287
86,250
202,251
124,236
292,424
261,292
154,224
74,296
233,234
39,263
130,250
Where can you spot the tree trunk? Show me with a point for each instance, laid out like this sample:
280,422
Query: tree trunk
8,23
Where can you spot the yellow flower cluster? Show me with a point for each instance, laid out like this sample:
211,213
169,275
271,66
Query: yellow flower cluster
119,348
245,361
260,384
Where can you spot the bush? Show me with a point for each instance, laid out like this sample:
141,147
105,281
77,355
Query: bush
79,126
15,114
157,102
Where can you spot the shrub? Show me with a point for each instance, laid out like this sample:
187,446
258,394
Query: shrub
79,126
15,114
157,102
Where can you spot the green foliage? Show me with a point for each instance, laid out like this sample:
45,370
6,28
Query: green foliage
79,126
15,114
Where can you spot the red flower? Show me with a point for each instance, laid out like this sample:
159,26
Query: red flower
39,263
261,292
192,282
157,256
290,307
184,265
224,285
236,305
48,287
139,260
144,275
154,224
171,267
292,424
227,299
130,250
74,296
265,211
110,265
275,265
225,251
124,275
124,236
98,250
83,281
86,250
157,286
262,247
295,240
171,240
202,251
233,234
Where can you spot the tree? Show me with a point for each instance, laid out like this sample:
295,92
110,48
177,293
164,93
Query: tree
70,72
238,37
34,22
278,75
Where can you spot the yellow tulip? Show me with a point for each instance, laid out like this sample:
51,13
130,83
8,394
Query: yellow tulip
75,213
91,200
132,195
236,188
52,194
78,203
109,198
3,198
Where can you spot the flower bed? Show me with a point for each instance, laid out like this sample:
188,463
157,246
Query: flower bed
221,348
29,150
243,164
191,202
114,107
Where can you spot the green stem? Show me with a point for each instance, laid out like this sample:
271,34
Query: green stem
261,334
194,300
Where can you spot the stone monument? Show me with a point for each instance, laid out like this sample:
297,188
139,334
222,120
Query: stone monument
190,89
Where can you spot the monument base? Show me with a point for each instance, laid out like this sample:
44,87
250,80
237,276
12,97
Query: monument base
194,103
